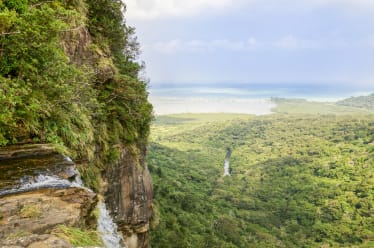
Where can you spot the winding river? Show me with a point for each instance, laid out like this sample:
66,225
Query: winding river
226,164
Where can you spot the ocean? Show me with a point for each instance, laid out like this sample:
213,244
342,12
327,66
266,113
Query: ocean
243,99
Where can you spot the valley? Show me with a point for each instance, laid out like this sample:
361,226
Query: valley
297,179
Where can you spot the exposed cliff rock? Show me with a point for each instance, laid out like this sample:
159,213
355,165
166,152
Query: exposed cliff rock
30,209
39,212
35,241
129,196
79,87
129,190
23,164
81,50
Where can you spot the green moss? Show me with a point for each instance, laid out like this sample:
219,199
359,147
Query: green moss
17,5
113,155
91,176
96,213
18,234
30,211
78,237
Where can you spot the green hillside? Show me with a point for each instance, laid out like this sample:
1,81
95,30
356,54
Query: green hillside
297,181
69,76
301,106
365,102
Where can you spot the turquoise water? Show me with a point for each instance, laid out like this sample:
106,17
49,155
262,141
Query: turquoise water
311,92
246,99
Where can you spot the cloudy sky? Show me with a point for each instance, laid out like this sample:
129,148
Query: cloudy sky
256,41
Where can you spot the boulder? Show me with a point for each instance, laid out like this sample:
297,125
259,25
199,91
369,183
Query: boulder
37,194
35,241
40,211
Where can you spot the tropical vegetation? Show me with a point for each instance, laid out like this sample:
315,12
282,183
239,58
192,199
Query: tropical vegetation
297,180
69,76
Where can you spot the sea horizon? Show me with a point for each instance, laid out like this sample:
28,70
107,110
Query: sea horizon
241,99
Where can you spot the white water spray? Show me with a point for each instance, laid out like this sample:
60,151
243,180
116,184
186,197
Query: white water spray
108,229
45,179
226,164
226,167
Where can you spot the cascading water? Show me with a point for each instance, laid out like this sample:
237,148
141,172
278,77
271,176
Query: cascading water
226,168
226,164
108,229
46,179
43,178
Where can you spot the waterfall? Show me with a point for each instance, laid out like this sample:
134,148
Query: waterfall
108,229
44,179
226,167
226,164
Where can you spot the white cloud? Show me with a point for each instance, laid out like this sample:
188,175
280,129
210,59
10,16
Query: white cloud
156,9
369,41
166,47
353,3
288,42
201,46
291,42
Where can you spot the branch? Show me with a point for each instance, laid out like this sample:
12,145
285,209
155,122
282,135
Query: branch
72,29
38,4
10,33
110,100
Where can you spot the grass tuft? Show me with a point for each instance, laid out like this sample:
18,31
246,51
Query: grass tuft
78,237
30,211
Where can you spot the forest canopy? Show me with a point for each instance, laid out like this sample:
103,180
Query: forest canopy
297,180
69,76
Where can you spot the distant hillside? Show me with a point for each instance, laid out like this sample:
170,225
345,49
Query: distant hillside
302,106
366,102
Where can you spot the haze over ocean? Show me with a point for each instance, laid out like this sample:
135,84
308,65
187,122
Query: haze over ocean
204,53
239,98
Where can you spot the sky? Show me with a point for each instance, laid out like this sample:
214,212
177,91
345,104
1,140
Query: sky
318,42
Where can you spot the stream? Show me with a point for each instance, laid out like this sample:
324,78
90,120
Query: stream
226,167
226,164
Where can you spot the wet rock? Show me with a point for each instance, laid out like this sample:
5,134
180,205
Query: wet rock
129,197
37,195
35,241
22,164
39,212
21,151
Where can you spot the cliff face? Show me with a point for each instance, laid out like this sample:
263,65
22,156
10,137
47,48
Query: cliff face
129,190
129,197
69,77
37,195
